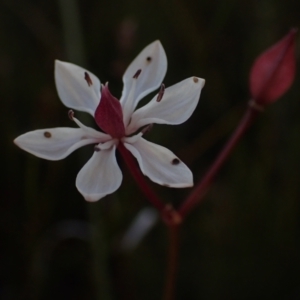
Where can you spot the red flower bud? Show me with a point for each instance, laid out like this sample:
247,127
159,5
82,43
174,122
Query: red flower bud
273,72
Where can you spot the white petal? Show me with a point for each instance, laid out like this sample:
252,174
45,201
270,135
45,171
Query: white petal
152,61
100,176
74,90
176,106
54,143
160,164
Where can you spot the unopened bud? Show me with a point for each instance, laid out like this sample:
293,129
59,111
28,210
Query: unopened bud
273,72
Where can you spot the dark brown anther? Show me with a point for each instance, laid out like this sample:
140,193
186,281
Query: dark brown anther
160,93
137,74
175,161
71,114
149,58
47,134
96,148
88,79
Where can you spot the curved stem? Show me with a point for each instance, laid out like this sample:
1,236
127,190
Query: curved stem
172,262
199,191
169,216
139,178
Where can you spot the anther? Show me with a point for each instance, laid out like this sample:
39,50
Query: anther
71,114
96,148
160,93
195,79
149,58
47,134
88,79
137,74
175,161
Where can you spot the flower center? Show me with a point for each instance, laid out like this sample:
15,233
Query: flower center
109,115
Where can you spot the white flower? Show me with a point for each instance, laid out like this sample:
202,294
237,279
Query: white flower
81,90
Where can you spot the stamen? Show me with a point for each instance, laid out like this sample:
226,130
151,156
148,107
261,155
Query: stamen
195,79
160,93
88,79
71,114
137,74
149,58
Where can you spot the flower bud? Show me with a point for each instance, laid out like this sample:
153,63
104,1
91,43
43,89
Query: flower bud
273,72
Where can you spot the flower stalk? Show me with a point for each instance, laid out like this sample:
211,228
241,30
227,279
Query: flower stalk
172,267
140,178
200,190
272,74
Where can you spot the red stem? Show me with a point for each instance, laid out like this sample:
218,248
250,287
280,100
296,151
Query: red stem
172,262
199,191
140,178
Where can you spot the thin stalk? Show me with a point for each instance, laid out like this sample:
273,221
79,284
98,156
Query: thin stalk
139,178
72,31
172,267
199,191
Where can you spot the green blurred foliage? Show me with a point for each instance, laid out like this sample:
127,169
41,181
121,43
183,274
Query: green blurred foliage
241,243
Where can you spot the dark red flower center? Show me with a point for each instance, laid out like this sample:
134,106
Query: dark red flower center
109,115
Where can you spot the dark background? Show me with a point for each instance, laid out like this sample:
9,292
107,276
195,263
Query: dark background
243,242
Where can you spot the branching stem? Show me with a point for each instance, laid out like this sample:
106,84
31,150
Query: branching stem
199,191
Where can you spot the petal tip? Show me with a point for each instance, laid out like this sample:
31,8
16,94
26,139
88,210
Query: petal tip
156,42
62,64
58,62
18,141
92,198
15,141
157,46
199,80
